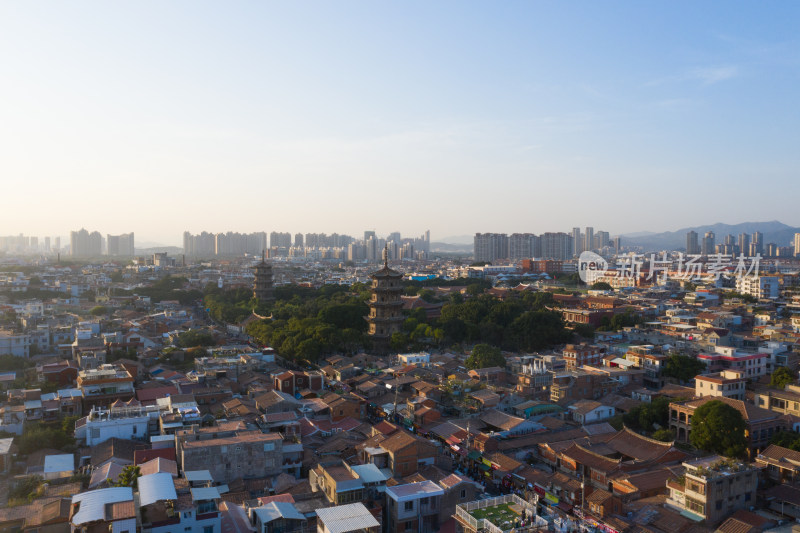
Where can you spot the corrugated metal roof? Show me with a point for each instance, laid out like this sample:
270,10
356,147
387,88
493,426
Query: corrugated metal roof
5,445
156,487
274,510
198,475
369,473
59,463
414,491
205,493
93,503
344,518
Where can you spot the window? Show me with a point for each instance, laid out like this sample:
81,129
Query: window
409,506
208,529
463,493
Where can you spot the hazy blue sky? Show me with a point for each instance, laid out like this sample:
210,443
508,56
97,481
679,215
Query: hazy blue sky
157,117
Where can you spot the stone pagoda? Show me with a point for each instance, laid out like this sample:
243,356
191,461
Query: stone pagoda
262,286
385,305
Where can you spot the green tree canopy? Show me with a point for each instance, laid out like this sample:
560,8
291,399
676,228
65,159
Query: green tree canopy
664,435
98,310
40,436
719,428
128,477
646,416
194,337
485,356
781,377
682,367
601,286
787,439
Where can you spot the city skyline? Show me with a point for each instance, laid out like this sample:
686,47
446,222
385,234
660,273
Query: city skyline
633,233
410,116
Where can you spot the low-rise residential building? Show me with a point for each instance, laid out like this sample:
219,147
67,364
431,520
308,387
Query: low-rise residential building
728,384
278,517
6,454
400,452
761,424
292,382
780,464
342,483
112,509
751,365
413,507
420,358
130,422
350,518
230,454
104,385
578,355
651,361
589,411
494,515
785,401
16,344
759,286
713,487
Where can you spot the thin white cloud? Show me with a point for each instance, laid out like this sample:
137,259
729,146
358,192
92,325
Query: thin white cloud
712,75
704,75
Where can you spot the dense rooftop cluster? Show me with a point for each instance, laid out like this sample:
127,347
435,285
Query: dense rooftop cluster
128,406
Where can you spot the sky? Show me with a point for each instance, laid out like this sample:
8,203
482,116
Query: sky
455,116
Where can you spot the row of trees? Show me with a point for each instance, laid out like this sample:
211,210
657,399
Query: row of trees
308,323
167,288
517,323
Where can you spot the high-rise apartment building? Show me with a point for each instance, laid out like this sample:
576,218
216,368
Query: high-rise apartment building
557,245
588,238
85,244
522,245
577,242
602,239
201,245
298,240
121,245
797,244
757,243
490,246
709,244
373,246
280,240
744,243
692,243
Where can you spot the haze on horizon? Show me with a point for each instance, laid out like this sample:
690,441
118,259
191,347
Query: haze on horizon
160,117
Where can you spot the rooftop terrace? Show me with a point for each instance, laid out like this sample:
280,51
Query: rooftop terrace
500,515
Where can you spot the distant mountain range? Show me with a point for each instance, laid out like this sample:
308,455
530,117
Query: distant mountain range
457,239
452,247
148,250
774,231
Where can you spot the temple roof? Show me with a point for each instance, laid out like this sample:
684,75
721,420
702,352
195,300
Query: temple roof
386,272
